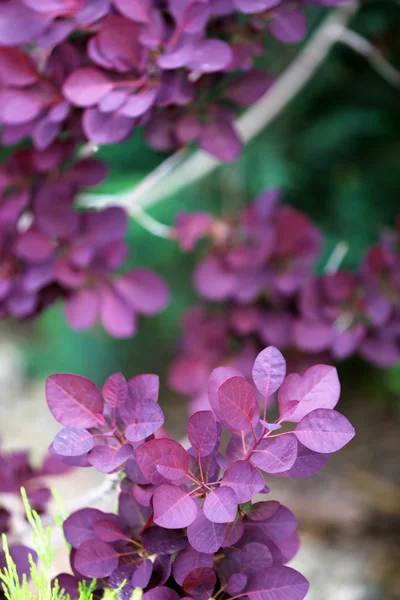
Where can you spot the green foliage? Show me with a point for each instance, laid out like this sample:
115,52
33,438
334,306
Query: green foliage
15,588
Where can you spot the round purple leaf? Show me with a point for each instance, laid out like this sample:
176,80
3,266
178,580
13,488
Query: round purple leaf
202,432
276,455
73,442
324,430
220,506
244,479
74,400
269,371
238,403
173,507
95,558
147,417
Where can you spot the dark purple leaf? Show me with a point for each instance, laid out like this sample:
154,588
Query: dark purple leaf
289,26
233,533
269,371
319,387
73,442
107,530
238,403
236,584
324,430
202,432
74,400
244,479
95,558
220,506
289,547
133,513
187,560
276,455
261,511
78,527
200,582
173,507
163,542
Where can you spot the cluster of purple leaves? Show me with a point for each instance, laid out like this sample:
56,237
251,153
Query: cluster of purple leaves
96,69
259,277
186,524
16,471
49,250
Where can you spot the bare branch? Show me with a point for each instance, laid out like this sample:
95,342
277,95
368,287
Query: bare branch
377,60
166,181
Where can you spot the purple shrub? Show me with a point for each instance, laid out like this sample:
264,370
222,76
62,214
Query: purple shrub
187,522
259,274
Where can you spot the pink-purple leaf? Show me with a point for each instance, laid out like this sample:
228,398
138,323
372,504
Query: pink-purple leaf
143,290
319,387
238,403
244,479
173,507
202,432
217,378
324,430
220,506
137,10
162,458
146,418
276,455
115,390
95,558
269,371
277,583
107,459
86,87
72,441
144,387
74,401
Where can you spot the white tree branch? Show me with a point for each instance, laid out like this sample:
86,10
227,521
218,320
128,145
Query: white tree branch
377,60
166,181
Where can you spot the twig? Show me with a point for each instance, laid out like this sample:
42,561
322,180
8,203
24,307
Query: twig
336,258
378,61
150,224
164,181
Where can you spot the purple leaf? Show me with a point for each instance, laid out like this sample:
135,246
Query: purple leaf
163,541
95,558
324,430
233,533
217,378
187,560
117,317
249,87
146,418
19,24
269,371
288,26
82,309
319,387
141,576
307,463
73,442
202,432
144,291
161,592
20,555
173,507
107,530
115,390
289,547
276,455
139,11
236,583
277,583
200,582
261,511
220,506
238,403
213,281
220,139
106,128
16,68
162,458
210,55
86,87
244,479
74,400
78,527
107,459
205,536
